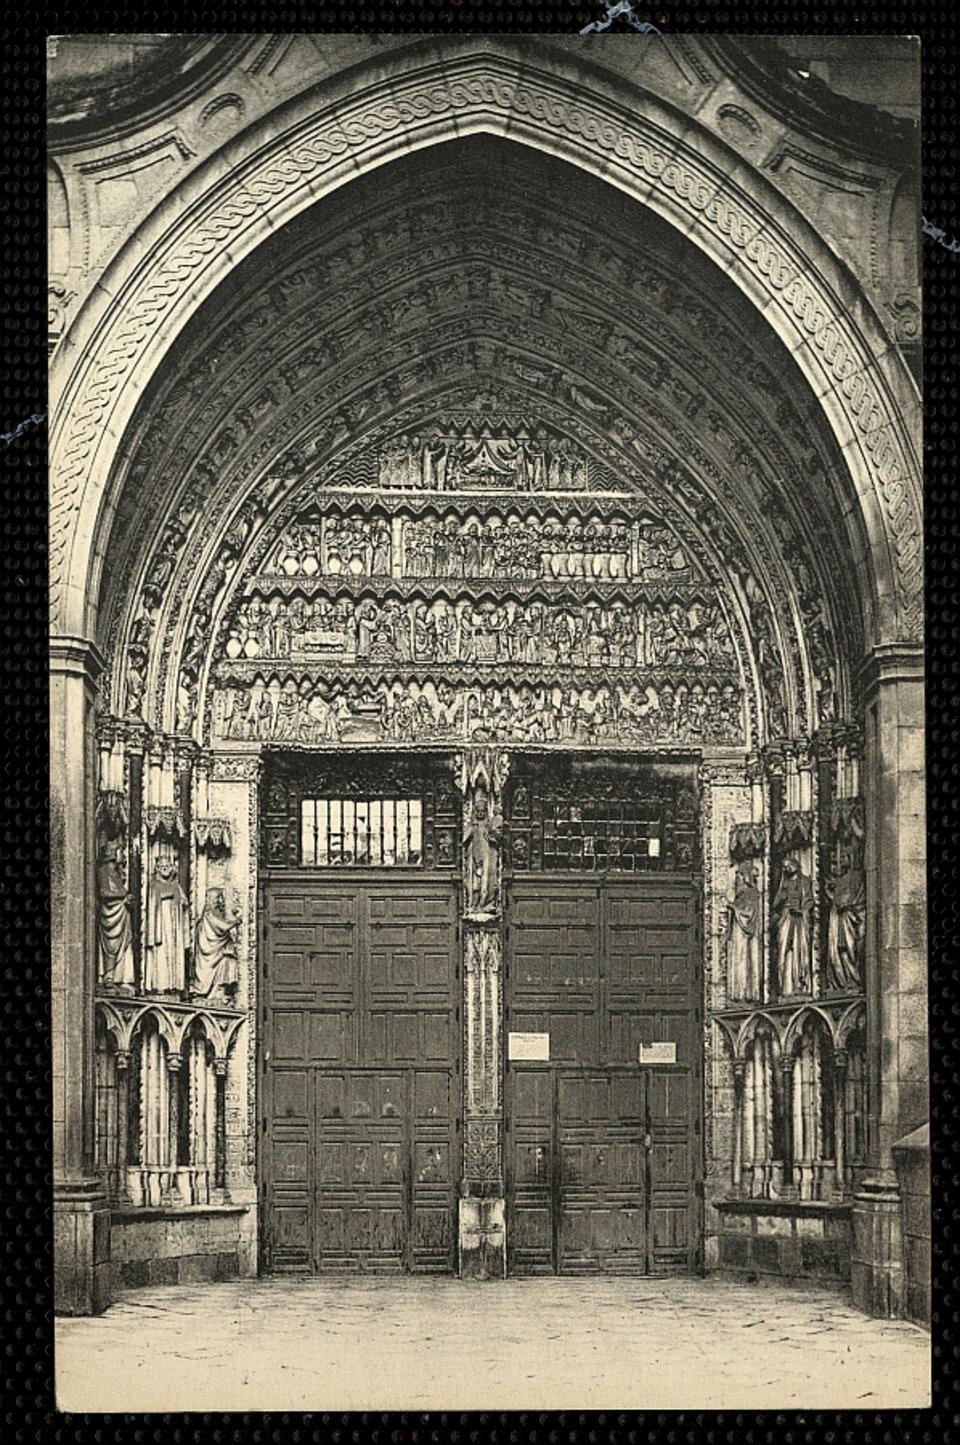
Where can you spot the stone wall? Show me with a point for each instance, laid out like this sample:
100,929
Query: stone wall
175,1246
913,1167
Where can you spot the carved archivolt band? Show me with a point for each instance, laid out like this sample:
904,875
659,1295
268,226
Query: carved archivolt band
785,270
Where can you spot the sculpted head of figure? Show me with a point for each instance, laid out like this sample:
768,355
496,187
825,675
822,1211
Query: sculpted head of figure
166,868
216,900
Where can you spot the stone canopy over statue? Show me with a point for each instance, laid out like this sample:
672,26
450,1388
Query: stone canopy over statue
215,947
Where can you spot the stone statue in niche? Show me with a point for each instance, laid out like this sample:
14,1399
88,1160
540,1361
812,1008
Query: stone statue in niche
793,911
846,892
743,933
114,931
215,947
168,930
481,858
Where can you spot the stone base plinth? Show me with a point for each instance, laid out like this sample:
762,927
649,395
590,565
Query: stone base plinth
791,1238
482,1239
183,1246
81,1250
876,1265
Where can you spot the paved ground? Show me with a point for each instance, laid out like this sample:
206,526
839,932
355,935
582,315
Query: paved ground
419,1344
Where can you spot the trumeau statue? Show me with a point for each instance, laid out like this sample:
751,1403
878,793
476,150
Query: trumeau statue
113,920
215,947
743,933
168,925
481,858
846,891
793,910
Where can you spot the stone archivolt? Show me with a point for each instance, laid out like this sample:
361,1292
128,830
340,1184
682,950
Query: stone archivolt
279,404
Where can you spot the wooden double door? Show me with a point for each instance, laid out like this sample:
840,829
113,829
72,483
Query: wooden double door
361,1080
603,1164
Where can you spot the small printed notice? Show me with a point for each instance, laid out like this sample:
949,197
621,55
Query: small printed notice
658,1053
528,1046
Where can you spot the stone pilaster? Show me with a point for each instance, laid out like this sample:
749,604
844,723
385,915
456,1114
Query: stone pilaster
81,1214
896,990
482,1215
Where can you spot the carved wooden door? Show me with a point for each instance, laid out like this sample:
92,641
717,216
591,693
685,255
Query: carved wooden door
603,1152
361,1073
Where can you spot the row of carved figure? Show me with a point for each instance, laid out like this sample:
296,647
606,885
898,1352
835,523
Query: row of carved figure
446,463
175,959
357,546
793,919
589,635
409,712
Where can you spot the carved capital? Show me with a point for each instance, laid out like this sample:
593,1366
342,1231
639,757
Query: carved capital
236,768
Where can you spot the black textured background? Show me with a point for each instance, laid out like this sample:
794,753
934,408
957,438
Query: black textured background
24,875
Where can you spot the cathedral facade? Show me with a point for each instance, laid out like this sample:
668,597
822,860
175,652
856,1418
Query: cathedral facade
487,662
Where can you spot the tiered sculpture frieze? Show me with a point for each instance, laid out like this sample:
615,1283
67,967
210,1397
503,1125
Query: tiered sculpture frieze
413,619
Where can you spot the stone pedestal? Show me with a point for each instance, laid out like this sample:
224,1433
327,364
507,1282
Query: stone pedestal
876,1259
81,1245
482,1250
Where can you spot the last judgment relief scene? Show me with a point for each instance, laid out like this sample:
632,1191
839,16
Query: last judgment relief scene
497,666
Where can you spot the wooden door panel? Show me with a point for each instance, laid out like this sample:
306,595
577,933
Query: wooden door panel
361,1155
603,967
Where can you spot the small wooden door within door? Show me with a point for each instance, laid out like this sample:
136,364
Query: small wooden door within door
578,1175
361,1147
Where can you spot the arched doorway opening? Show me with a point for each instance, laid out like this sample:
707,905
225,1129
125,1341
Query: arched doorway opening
689,604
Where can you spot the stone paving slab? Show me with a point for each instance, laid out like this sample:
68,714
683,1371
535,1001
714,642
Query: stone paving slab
443,1344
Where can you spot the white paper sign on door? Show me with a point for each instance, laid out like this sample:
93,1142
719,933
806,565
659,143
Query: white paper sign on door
528,1046
658,1053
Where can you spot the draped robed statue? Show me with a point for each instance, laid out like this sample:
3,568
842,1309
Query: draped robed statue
114,931
743,933
215,947
168,930
847,894
793,910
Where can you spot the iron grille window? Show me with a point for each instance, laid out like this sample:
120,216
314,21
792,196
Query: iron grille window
361,832
568,817
591,835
